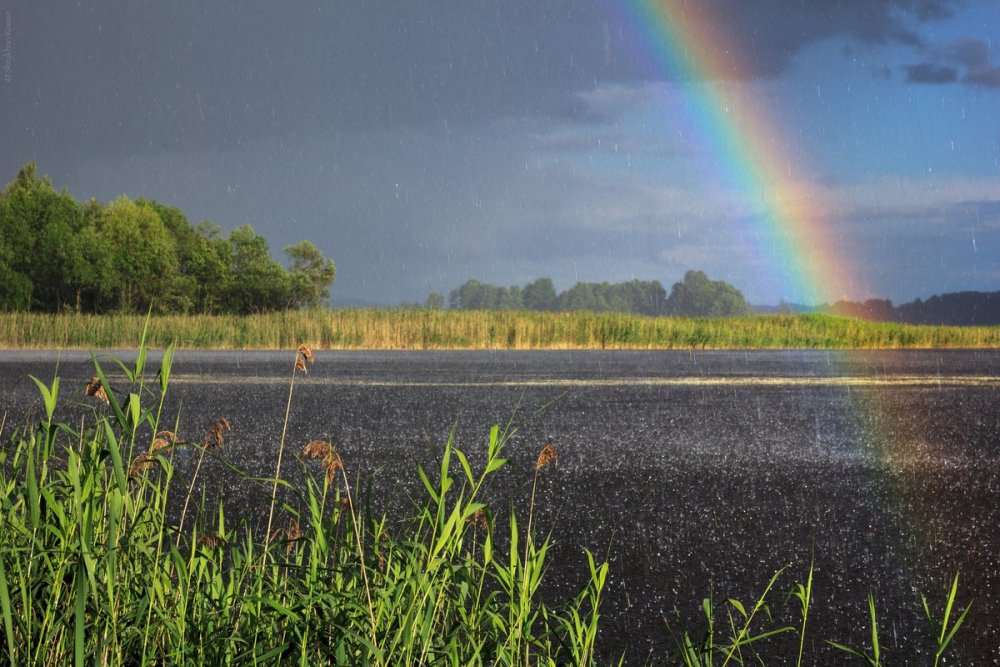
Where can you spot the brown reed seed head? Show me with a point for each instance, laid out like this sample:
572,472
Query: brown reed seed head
211,540
293,532
333,464
158,444
546,456
96,389
215,438
306,352
478,519
316,449
140,465
320,450
300,365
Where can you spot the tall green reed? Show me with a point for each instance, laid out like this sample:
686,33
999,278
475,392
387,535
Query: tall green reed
744,636
96,566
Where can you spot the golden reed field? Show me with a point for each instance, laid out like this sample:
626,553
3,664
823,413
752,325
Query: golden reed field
419,329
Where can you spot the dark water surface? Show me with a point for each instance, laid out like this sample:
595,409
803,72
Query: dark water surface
696,473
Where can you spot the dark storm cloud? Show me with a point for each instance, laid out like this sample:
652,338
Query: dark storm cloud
770,33
930,73
971,55
974,54
145,77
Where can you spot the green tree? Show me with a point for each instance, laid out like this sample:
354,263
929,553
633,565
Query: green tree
697,296
540,295
311,275
15,287
258,282
510,298
469,296
202,263
638,296
580,296
89,271
142,256
435,301
54,255
22,214
16,245
48,243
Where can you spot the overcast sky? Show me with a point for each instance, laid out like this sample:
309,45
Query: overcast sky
419,144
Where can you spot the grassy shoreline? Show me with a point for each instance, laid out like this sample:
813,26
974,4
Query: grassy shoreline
471,330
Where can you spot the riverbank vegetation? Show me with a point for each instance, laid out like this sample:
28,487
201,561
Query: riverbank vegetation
98,566
417,329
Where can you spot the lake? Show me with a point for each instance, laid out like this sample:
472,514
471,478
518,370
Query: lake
695,473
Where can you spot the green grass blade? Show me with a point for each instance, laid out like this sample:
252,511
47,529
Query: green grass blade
876,650
49,396
5,615
79,616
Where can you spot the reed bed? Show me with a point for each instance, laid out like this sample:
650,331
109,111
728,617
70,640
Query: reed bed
456,329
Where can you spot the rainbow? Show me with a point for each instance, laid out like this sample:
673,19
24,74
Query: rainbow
792,216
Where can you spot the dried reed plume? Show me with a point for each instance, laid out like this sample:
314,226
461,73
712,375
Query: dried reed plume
140,465
546,456
478,519
211,540
158,444
306,353
320,450
302,355
381,537
96,389
291,533
215,439
316,449
163,440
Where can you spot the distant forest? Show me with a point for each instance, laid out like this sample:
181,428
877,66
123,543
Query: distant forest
58,254
954,309
696,295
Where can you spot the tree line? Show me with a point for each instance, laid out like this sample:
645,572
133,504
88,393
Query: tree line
58,254
952,309
695,296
